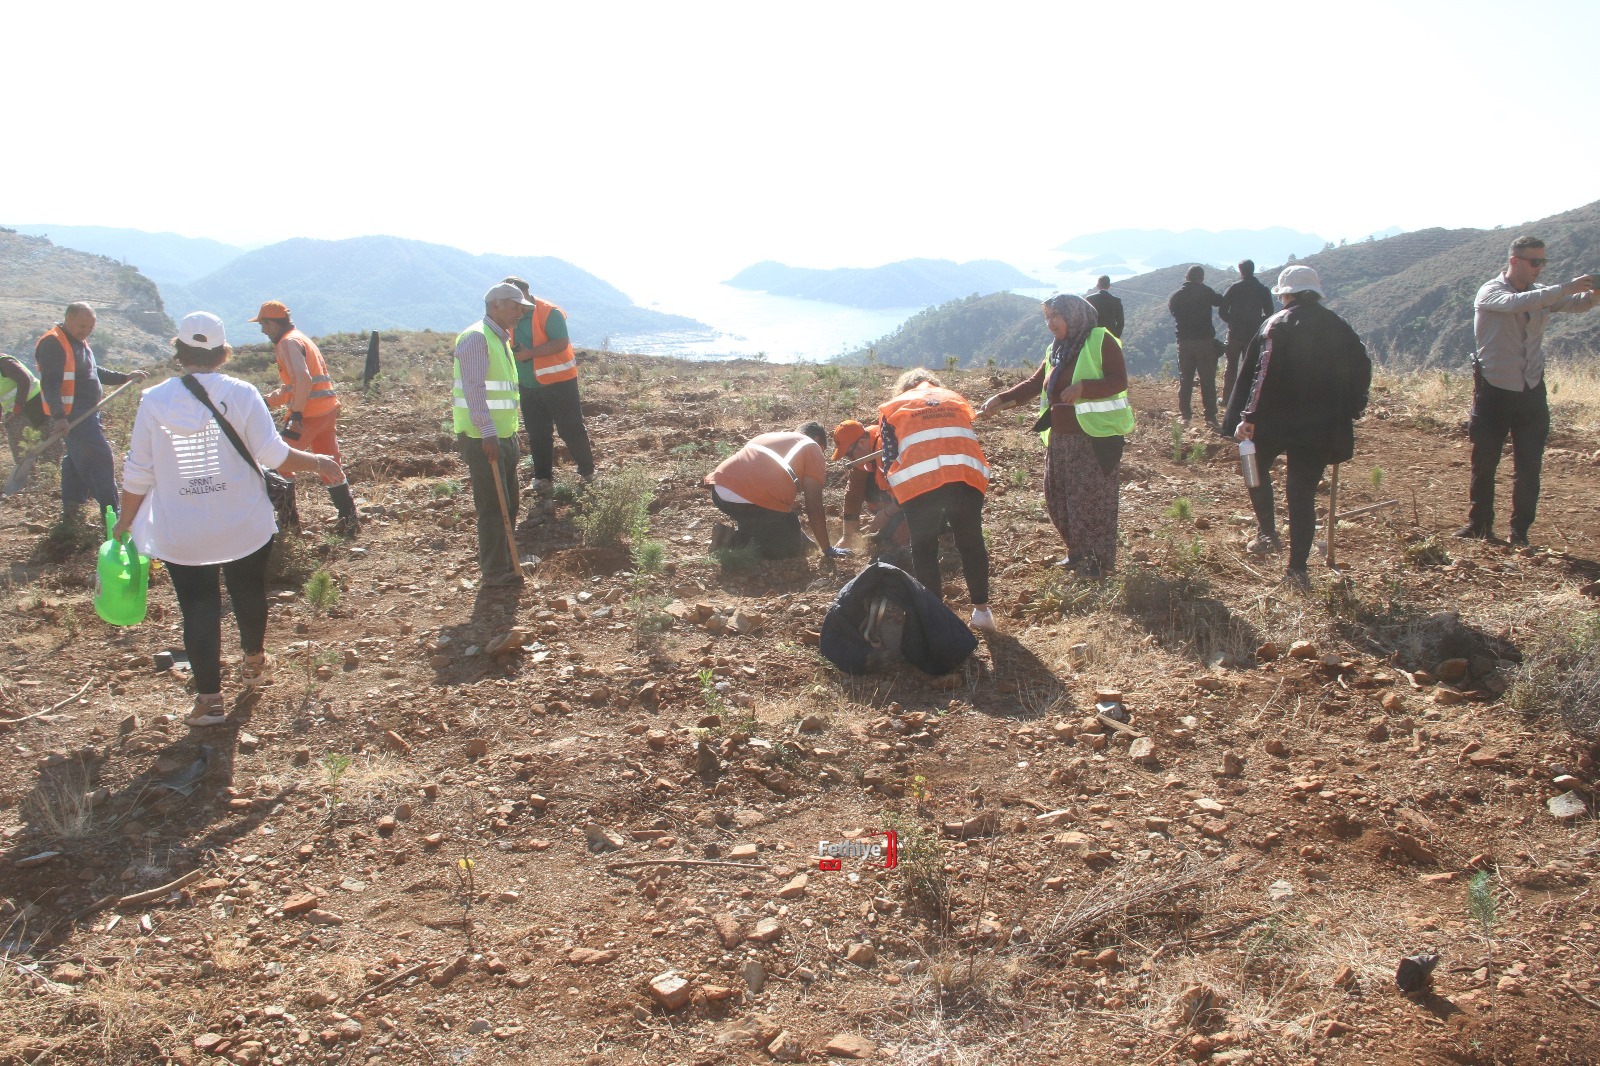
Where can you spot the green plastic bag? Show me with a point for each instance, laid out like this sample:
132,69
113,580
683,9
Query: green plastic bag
122,579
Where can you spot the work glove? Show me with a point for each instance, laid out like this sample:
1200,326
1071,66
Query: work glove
836,553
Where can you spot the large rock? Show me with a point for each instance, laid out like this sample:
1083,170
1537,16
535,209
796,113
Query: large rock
670,990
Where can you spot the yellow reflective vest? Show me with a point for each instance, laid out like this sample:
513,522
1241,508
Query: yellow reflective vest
500,386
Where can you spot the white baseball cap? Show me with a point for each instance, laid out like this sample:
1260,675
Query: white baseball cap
202,329
507,291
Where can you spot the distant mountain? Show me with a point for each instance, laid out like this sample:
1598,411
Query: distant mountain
164,258
1164,247
366,283
909,283
38,280
1409,296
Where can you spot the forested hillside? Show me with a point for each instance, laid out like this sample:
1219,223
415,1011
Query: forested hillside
390,283
38,280
1410,296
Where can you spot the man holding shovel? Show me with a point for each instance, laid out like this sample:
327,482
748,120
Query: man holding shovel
485,420
69,381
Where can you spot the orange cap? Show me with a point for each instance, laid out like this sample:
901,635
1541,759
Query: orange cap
271,309
845,435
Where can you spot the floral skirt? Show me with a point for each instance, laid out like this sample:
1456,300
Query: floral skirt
1082,497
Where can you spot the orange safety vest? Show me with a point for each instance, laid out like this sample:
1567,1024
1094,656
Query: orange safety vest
563,365
932,431
322,399
874,444
69,372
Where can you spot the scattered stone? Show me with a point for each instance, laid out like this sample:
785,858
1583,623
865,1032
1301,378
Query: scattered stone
850,1046
397,742
861,954
670,990
796,888
1414,971
1075,841
476,748
1565,807
1143,751
300,904
754,975
590,956
981,824
730,931
786,1047
1451,670
811,724
602,839
767,930
1344,977
322,917
1303,649
479,1026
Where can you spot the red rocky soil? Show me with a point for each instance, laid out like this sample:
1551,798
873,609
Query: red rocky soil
438,836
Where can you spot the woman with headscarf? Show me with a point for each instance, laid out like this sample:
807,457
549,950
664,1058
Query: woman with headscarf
192,499
1082,388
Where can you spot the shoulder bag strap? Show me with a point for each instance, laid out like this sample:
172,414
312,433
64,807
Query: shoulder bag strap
198,391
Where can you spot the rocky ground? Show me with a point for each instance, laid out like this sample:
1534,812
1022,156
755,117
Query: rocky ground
583,824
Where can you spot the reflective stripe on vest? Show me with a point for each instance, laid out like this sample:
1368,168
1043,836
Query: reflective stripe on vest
322,398
69,372
500,387
1110,417
8,388
558,366
931,428
785,461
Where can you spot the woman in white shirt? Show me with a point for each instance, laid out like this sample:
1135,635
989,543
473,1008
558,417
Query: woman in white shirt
191,500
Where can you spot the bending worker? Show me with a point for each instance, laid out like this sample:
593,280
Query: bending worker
757,487
307,391
21,393
866,486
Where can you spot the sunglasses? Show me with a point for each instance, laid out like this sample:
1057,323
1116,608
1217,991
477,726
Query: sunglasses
1533,262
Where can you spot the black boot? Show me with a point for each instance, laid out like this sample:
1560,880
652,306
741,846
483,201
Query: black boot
349,523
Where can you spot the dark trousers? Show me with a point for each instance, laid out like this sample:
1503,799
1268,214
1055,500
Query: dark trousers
200,601
88,472
495,561
1525,417
1197,357
775,534
1238,340
1300,487
551,409
961,505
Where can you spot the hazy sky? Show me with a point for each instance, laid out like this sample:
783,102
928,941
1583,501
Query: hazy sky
632,137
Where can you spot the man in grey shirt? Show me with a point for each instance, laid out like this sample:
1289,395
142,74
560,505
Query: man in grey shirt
1508,397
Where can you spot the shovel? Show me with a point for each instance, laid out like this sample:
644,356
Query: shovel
1333,513
19,476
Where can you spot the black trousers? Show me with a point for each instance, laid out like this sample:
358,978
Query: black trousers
1304,475
200,602
962,506
1197,358
1525,417
775,534
497,559
551,409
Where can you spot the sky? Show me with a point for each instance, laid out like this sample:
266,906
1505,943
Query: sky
634,139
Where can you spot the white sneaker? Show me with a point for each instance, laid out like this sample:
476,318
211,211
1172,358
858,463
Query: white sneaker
207,711
983,618
253,673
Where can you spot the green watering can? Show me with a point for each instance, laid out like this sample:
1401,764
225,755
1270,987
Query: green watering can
122,579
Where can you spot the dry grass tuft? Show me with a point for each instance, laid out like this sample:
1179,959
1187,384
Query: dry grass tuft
60,804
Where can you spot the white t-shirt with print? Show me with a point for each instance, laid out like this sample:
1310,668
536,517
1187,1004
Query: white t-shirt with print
203,503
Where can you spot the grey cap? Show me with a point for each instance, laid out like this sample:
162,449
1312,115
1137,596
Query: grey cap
503,291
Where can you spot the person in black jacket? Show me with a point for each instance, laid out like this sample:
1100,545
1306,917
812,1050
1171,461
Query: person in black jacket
1197,342
1245,305
1303,384
1107,306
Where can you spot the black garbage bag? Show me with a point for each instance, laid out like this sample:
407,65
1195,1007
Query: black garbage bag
934,640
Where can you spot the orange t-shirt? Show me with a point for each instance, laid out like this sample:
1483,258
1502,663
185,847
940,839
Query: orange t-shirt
755,473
